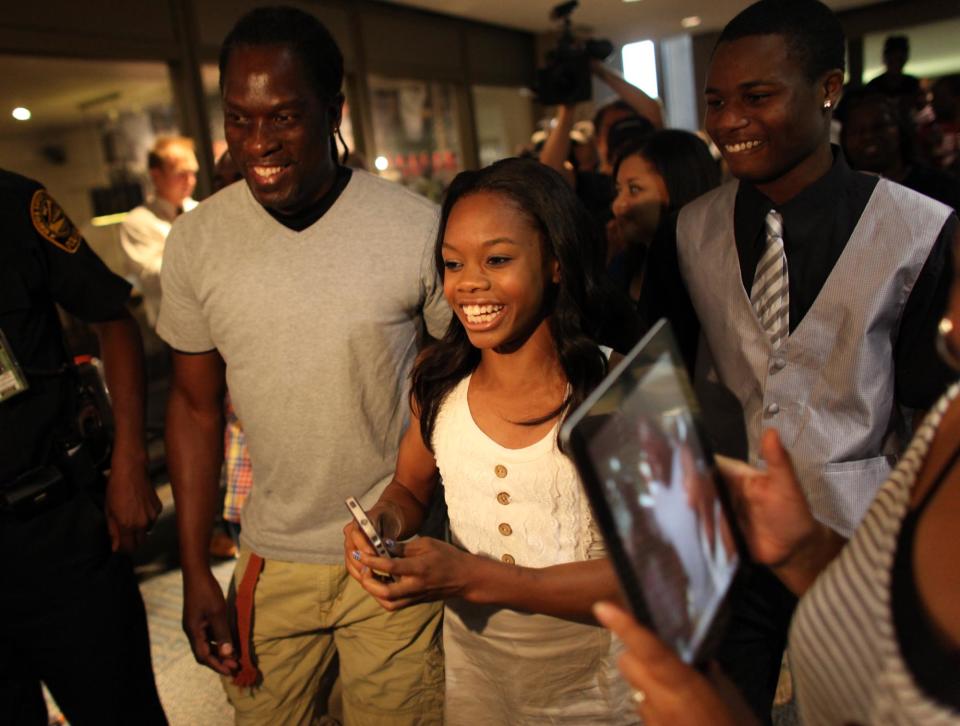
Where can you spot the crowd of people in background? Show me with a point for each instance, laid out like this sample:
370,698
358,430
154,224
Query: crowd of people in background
332,335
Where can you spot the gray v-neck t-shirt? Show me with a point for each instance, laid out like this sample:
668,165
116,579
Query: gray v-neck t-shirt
319,331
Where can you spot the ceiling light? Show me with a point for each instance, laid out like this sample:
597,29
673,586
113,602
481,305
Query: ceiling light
691,22
21,114
381,163
633,1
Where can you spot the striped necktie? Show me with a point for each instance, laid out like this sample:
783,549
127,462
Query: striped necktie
770,294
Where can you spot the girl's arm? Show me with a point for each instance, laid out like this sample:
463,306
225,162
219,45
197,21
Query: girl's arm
434,570
567,591
401,508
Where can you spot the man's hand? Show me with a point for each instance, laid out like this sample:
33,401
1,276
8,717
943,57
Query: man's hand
206,625
771,507
776,520
132,506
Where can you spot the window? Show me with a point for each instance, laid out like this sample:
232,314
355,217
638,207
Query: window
504,118
640,66
416,133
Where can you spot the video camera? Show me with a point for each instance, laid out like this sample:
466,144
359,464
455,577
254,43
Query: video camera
566,76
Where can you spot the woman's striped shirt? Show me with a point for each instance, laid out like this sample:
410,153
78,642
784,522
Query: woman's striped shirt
844,653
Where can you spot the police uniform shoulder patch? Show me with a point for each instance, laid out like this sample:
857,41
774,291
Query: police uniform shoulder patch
52,222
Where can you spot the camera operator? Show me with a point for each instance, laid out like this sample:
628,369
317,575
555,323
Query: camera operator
595,187
631,101
566,80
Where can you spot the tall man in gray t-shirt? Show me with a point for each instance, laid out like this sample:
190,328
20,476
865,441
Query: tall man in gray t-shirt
305,289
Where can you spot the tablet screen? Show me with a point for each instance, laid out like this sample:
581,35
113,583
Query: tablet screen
654,493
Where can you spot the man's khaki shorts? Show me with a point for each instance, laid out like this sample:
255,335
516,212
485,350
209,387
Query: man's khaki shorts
305,616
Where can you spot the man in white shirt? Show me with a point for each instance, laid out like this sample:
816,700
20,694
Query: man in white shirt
173,169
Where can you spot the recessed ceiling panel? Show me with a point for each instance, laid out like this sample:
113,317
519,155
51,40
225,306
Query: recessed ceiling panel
64,92
613,18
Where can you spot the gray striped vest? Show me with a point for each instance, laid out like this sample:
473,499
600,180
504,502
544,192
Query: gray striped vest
829,389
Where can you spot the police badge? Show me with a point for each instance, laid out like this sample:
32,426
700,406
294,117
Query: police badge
52,222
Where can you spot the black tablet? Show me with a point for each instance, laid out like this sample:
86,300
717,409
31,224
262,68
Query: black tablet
666,520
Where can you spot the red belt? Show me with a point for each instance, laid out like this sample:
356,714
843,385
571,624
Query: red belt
248,674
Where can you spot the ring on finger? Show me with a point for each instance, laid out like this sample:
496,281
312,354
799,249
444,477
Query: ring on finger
638,696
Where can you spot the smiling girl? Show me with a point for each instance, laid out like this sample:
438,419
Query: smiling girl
526,561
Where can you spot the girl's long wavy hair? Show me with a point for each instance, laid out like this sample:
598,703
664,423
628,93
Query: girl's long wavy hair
578,304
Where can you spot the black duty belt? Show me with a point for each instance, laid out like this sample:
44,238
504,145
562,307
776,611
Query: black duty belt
43,486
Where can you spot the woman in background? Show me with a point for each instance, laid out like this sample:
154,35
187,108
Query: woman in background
656,176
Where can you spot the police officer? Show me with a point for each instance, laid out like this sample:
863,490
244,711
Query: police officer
71,614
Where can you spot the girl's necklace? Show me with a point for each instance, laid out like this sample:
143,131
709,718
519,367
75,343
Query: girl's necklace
548,414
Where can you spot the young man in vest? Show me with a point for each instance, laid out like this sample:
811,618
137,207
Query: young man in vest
818,290
305,289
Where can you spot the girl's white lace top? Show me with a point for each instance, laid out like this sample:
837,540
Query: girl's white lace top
522,506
